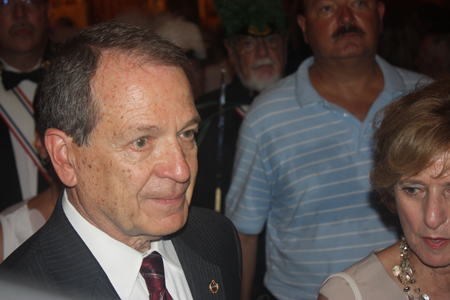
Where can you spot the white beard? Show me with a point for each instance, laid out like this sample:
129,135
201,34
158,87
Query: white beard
259,84
255,83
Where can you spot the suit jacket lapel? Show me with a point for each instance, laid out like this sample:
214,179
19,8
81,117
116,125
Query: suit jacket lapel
70,262
199,272
201,247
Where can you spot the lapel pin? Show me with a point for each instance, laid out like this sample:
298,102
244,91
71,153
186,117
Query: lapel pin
213,287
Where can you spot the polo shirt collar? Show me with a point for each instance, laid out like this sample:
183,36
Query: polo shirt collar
306,94
393,82
394,85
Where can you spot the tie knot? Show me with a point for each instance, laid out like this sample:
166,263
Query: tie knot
152,265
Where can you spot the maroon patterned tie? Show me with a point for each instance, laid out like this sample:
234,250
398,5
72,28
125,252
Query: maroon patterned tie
152,270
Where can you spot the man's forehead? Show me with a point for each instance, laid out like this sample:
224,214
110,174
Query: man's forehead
307,3
115,67
123,82
117,59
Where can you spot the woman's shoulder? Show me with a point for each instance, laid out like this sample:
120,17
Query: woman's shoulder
368,277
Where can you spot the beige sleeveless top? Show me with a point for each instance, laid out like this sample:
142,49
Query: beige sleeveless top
365,280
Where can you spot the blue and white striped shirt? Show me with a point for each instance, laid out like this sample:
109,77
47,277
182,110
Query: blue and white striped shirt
302,164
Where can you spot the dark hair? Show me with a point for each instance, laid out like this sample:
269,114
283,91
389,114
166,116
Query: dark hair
66,96
300,7
412,133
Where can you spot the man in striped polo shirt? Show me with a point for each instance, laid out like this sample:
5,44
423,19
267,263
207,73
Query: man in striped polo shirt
305,152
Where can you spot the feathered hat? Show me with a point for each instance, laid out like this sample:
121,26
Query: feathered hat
251,17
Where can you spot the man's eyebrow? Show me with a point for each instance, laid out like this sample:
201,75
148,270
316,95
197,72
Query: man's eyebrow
134,131
155,128
147,128
195,121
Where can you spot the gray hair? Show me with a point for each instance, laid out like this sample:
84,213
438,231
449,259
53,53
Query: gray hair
67,101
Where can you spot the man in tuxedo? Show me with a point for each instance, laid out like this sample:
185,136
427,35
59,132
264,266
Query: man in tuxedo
24,52
120,124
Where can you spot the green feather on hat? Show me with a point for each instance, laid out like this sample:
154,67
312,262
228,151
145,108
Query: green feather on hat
251,17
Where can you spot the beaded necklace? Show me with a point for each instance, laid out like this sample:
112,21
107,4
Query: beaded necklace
404,272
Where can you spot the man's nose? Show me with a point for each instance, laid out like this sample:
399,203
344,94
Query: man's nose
174,164
261,49
18,9
346,15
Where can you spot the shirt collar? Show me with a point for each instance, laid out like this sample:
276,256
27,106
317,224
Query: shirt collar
306,94
167,251
120,262
304,91
12,69
394,85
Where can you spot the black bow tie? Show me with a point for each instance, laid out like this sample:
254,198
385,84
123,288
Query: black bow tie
12,79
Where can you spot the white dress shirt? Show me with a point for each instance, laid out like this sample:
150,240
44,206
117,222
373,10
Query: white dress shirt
121,263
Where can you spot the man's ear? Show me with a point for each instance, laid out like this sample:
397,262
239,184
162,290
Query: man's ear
381,9
302,23
60,149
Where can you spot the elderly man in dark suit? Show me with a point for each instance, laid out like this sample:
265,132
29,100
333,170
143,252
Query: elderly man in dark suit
120,124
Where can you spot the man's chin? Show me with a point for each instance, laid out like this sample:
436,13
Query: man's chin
175,224
259,83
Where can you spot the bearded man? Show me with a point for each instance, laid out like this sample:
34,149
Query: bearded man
256,44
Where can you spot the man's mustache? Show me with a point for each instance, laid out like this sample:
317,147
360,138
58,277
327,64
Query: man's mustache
348,29
21,24
263,62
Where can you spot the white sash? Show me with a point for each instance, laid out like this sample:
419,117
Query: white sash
17,112
242,110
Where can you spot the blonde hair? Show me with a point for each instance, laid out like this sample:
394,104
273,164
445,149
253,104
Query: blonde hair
414,131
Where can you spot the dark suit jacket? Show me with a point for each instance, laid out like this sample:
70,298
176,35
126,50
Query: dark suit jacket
56,260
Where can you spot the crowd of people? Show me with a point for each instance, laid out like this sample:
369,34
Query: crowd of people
319,177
